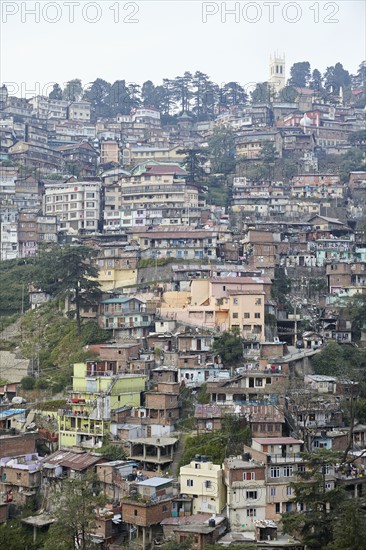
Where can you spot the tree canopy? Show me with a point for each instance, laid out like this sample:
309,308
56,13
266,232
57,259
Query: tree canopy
230,348
317,505
74,507
221,147
68,272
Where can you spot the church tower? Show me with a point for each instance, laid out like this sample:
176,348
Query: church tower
277,76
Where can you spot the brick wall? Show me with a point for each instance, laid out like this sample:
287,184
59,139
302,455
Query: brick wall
18,444
136,513
161,401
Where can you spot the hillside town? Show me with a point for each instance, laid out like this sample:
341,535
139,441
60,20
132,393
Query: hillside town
183,313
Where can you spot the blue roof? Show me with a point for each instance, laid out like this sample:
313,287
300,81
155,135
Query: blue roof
11,412
119,300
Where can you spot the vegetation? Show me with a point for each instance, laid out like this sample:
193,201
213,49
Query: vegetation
337,360
229,346
218,445
28,383
281,288
52,341
67,272
203,397
111,452
194,161
221,146
74,510
15,277
325,510
16,536
197,95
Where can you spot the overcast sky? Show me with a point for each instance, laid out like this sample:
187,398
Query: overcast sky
151,40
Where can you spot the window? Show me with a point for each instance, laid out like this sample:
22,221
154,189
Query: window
275,471
90,204
235,315
288,506
258,382
246,315
251,495
165,508
257,315
278,508
208,484
248,476
135,512
189,482
288,491
273,491
287,471
251,513
235,301
258,301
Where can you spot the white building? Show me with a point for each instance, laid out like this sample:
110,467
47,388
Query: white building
9,248
76,205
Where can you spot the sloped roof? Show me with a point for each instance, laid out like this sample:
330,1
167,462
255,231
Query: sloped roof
72,459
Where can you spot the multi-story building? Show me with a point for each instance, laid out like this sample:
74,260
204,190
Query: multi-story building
20,477
34,230
318,186
249,144
245,481
161,410
9,247
109,152
282,459
79,110
203,480
76,205
80,159
98,389
149,502
125,316
257,386
153,185
176,242
117,264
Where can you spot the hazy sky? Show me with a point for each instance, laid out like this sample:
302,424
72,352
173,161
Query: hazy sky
149,40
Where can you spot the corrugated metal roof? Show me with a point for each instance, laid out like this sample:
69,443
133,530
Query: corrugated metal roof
73,459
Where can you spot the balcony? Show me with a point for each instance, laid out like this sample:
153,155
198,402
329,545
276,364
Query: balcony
284,459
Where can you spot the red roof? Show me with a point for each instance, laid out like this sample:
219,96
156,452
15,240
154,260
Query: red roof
166,169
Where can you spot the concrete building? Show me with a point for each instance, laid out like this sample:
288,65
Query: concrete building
203,480
97,390
76,205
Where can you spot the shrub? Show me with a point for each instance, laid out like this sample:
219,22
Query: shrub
28,383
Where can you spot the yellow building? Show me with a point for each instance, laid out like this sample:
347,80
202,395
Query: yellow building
109,152
203,481
97,389
224,302
246,309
